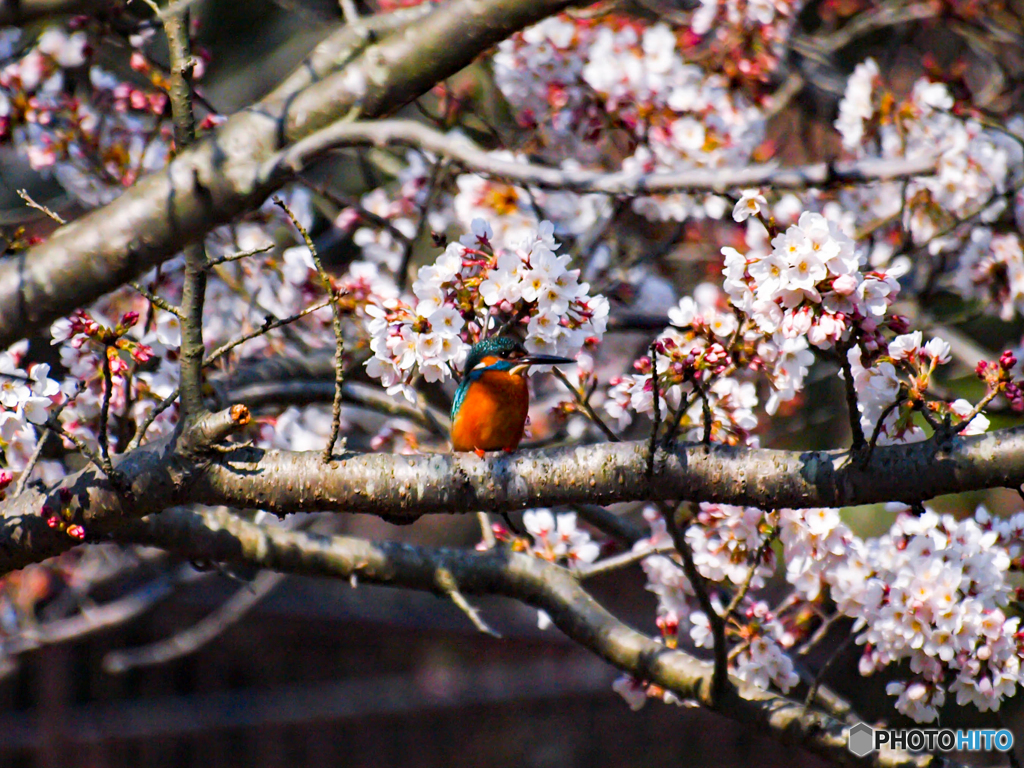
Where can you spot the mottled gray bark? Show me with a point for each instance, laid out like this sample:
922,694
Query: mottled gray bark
403,488
219,536
472,157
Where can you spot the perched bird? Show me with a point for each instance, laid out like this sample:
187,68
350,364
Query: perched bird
490,406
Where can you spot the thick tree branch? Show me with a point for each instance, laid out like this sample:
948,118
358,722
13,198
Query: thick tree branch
220,536
403,488
217,179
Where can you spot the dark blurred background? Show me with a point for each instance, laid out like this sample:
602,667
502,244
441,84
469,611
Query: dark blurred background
324,673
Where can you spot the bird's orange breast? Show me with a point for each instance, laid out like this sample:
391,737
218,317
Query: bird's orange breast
493,415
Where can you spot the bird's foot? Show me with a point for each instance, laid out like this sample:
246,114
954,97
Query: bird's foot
479,452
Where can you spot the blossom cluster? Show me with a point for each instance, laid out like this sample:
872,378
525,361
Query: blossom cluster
557,538
747,37
141,348
692,366
809,288
564,78
933,591
470,289
991,271
811,283
894,387
27,397
951,211
97,143
724,541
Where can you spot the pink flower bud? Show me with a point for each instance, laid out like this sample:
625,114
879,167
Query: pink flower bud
142,354
844,285
138,62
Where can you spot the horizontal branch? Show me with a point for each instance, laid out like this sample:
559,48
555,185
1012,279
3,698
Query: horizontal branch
218,178
222,537
404,488
621,183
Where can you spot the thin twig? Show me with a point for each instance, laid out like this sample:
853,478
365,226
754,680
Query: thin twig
677,421
268,326
652,447
975,411
819,633
460,150
486,531
879,425
140,433
215,262
23,194
852,406
33,460
708,416
758,556
101,462
623,560
720,677
812,693
199,634
108,389
37,453
156,301
342,201
339,336
446,582
410,242
584,403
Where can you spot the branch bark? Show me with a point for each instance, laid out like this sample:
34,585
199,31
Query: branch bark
221,536
403,488
473,158
218,178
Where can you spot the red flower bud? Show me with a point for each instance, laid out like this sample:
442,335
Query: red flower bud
142,354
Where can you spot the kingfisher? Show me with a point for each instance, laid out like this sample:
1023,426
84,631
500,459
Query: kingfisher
491,403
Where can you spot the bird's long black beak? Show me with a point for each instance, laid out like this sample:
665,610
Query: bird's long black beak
545,360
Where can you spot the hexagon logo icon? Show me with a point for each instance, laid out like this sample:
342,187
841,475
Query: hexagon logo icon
861,739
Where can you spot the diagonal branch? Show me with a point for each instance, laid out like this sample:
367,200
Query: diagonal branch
218,178
219,536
